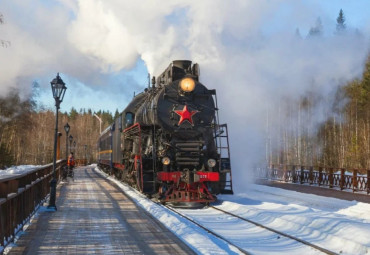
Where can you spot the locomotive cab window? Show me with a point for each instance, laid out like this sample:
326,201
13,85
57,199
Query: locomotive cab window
129,119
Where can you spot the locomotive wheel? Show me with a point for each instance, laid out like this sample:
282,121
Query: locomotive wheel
138,181
222,182
215,187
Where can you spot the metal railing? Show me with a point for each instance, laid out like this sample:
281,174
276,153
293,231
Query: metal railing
20,195
355,179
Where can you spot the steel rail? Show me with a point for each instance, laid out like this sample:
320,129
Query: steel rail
206,229
277,232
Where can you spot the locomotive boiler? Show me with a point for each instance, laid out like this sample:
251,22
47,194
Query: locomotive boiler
168,142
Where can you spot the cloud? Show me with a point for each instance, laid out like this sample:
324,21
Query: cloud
98,33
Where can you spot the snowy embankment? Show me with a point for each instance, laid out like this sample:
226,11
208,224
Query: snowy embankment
337,225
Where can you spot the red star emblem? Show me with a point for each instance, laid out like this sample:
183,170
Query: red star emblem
185,114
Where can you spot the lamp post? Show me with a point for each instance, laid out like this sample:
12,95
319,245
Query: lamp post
99,121
66,128
74,146
85,154
59,89
70,142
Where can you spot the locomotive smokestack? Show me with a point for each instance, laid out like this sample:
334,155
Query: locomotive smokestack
148,80
153,82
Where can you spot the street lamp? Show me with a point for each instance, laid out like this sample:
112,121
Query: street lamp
67,128
99,120
85,153
70,142
59,89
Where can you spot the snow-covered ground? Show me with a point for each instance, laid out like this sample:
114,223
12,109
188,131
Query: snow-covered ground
337,225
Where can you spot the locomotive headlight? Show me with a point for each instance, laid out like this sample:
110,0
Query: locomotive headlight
187,84
211,162
166,161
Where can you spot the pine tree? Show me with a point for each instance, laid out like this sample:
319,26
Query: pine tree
116,114
340,22
298,33
3,43
317,29
6,159
73,113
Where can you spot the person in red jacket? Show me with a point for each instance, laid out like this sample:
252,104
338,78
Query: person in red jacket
70,166
71,161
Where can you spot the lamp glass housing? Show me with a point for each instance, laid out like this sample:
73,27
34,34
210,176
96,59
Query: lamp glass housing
58,88
66,128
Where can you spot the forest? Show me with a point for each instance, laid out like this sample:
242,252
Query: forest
27,132
293,136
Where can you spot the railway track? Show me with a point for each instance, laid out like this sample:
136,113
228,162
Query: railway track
316,247
208,230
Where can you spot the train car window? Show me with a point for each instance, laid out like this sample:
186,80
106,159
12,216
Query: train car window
129,119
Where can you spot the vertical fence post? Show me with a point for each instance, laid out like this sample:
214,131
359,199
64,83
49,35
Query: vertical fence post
354,180
294,174
368,181
302,174
320,175
267,169
311,175
342,178
286,177
272,172
331,177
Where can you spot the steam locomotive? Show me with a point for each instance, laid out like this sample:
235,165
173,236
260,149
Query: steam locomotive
168,142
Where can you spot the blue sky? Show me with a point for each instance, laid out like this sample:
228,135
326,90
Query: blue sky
108,98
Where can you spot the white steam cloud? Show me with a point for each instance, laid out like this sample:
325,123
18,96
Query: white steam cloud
247,50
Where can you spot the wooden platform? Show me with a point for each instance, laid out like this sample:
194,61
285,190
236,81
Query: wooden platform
95,217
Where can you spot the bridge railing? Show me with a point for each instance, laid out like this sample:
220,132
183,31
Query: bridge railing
81,162
20,195
342,178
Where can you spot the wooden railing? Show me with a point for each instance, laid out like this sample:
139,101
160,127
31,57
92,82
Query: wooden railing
20,196
331,177
81,162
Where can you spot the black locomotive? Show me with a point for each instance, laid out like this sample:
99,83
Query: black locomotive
168,143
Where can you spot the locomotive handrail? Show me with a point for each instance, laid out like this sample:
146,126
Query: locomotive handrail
132,129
